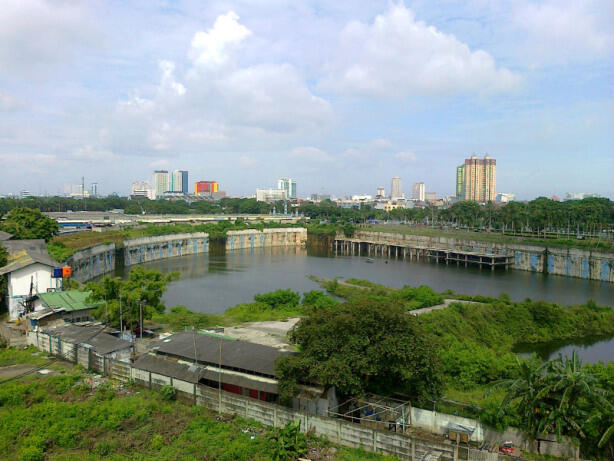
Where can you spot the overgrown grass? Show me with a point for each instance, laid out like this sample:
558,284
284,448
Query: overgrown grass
60,417
19,355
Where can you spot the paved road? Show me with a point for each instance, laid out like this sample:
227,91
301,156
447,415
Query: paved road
15,370
445,304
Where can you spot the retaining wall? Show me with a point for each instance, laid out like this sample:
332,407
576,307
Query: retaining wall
145,249
253,238
572,262
92,262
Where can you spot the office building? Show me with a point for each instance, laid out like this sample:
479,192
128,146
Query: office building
161,183
476,180
505,198
206,187
289,185
419,191
430,197
271,195
180,182
381,192
141,189
396,188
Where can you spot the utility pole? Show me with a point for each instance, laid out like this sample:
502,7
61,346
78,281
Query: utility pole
121,317
141,318
219,379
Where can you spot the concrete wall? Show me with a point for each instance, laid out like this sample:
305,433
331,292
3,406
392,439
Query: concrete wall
253,238
572,262
92,262
144,249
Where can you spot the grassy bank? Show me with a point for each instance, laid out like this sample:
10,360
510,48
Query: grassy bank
63,247
63,417
493,237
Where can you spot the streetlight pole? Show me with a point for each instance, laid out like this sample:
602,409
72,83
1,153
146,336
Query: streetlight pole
141,318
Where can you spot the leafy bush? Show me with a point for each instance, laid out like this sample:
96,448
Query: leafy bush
168,393
289,442
279,298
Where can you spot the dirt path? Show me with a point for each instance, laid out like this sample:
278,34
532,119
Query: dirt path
15,370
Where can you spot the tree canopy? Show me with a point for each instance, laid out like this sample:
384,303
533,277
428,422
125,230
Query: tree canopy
359,347
143,288
27,223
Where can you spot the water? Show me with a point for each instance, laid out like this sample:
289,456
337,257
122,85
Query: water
590,350
213,282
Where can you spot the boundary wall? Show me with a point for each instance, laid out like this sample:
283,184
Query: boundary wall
102,259
92,262
571,262
254,238
145,249
404,446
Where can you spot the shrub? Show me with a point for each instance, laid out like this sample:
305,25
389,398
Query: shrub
32,453
168,393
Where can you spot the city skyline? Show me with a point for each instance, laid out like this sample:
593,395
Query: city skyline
100,94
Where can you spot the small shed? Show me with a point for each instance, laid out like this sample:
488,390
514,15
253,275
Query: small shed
460,434
57,308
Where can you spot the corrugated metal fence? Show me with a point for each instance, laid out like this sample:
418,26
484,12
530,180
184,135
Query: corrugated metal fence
404,446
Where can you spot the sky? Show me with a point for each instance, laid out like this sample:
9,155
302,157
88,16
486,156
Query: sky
340,95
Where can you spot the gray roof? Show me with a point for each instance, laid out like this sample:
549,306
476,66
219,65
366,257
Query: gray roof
163,365
23,253
238,355
5,235
103,343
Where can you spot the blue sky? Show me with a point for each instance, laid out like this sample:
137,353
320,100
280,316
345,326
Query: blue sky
339,95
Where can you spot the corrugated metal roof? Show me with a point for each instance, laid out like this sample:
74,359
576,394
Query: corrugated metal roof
71,300
23,253
102,343
240,355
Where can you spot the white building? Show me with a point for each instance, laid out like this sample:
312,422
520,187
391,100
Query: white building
141,189
419,191
161,183
396,188
289,185
504,198
29,271
271,195
179,182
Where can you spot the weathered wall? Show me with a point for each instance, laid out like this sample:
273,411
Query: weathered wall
144,249
253,238
572,262
92,262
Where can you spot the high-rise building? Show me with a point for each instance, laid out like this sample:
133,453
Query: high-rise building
94,189
418,191
206,187
381,192
160,183
289,185
477,179
180,182
396,188
140,189
271,195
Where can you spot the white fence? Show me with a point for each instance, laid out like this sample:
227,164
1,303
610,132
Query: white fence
404,446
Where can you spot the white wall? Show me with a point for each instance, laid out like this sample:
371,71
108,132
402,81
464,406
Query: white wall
19,285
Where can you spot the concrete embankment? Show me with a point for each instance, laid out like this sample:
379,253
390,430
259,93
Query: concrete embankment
572,262
101,259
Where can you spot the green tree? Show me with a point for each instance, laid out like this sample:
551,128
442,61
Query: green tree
362,346
143,290
27,223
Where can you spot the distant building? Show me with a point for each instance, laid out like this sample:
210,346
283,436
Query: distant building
505,198
206,187
477,179
430,197
24,193
94,189
179,182
289,185
381,192
396,188
271,195
319,197
579,196
141,189
161,183
419,191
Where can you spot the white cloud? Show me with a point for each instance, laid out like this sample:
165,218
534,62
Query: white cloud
37,34
310,155
211,48
558,32
167,81
406,156
398,55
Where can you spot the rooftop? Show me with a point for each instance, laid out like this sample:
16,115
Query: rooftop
72,300
23,253
235,354
94,336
